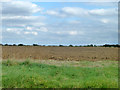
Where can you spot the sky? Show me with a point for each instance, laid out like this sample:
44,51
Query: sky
55,23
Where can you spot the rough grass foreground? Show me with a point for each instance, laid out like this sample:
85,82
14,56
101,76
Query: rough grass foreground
38,75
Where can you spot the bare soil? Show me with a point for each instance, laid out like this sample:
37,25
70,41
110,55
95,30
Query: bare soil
59,53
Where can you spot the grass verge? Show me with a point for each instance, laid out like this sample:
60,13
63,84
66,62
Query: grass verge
36,75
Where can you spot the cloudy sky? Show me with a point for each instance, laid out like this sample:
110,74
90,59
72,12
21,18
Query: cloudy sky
54,23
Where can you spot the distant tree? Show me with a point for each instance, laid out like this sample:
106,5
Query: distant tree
76,46
60,45
54,45
49,45
87,45
20,45
95,45
117,45
14,44
70,45
106,45
35,45
6,44
91,45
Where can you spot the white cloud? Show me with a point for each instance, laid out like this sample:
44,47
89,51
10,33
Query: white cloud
43,29
51,12
103,0
6,0
23,17
23,21
34,33
103,12
105,21
15,25
77,11
21,31
74,22
58,32
37,24
20,8
73,0
54,13
26,32
72,32
14,30
19,14
29,28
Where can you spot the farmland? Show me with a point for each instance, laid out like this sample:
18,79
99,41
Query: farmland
59,67
59,53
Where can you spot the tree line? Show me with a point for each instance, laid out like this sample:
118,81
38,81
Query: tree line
91,45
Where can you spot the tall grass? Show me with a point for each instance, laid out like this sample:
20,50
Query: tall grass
35,75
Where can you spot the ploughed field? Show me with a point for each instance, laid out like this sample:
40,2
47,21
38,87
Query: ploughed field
59,53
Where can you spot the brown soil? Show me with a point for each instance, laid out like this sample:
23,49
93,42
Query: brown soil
59,53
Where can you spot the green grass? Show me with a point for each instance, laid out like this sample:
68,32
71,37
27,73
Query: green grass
36,75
